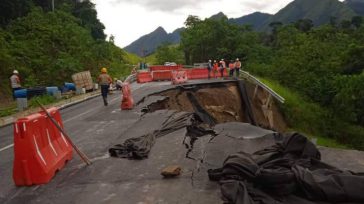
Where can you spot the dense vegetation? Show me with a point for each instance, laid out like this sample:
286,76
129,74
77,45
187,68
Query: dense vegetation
323,64
48,47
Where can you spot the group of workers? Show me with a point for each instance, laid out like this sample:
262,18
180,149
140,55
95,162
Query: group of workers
219,67
104,80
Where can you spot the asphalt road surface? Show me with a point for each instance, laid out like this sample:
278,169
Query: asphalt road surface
94,128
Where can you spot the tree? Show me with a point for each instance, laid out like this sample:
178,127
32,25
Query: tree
169,53
357,21
304,25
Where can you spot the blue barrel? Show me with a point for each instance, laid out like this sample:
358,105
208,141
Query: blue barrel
52,90
70,86
21,93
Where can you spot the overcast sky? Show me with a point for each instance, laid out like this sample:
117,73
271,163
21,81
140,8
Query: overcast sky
128,20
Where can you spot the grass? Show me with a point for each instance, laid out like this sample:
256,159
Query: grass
44,100
12,107
306,117
8,110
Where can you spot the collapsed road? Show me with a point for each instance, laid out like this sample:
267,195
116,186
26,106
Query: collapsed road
96,129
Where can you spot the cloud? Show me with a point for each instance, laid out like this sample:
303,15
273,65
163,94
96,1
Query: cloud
166,5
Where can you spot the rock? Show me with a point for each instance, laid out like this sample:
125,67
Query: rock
171,171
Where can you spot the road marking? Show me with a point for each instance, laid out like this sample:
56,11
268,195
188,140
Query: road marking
68,120
77,116
7,147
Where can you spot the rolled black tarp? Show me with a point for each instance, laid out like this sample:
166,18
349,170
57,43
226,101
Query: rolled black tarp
288,172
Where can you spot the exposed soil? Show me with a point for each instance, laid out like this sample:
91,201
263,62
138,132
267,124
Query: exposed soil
223,102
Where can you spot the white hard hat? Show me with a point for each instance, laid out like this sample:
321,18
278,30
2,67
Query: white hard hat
15,72
237,59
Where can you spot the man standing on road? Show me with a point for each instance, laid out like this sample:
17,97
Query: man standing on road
231,68
209,68
222,67
237,67
15,82
104,82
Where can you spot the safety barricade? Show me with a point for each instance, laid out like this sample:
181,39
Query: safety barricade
40,149
144,77
179,77
127,102
161,75
199,73
164,68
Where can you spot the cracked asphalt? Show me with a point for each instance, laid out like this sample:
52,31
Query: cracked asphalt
95,128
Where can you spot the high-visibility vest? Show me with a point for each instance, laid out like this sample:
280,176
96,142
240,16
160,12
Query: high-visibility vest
104,79
232,65
216,65
14,80
238,64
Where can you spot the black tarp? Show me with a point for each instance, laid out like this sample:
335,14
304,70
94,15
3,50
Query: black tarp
288,172
139,147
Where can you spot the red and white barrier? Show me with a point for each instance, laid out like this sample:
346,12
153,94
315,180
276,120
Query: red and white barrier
40,149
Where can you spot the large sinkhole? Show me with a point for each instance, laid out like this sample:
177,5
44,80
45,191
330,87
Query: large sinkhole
205,110
236,101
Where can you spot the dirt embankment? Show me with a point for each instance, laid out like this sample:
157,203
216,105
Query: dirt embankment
224,103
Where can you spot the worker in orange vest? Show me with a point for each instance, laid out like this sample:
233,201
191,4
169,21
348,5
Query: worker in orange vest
237,67
104,81
231,67
216,68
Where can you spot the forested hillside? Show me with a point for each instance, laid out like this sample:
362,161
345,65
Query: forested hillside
322,64
316,12
48,47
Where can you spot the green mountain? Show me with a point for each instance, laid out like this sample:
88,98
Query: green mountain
356,5
319,11
218,16
146,44
256,20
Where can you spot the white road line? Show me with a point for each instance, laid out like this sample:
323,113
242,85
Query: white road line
7,147
75,117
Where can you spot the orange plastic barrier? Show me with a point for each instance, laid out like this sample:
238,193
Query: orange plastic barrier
161,75
127,102
179,77
164,68
40,150
199,73
143,77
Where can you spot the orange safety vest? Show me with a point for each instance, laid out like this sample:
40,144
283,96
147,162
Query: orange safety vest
104,79
232,66
238,64
216,66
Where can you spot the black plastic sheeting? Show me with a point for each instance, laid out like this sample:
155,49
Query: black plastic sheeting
139,147
288,172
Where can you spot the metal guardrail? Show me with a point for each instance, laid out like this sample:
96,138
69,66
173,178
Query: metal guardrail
131,78
262,85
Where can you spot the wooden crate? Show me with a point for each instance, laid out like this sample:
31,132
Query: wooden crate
83,80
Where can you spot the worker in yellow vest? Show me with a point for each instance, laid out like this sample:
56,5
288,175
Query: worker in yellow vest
104,81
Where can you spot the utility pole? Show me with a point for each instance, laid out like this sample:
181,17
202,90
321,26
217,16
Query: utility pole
53,5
